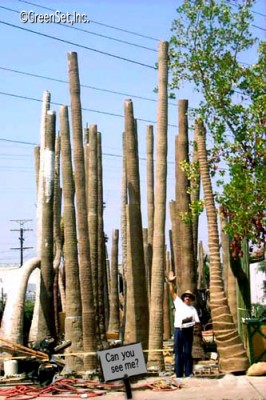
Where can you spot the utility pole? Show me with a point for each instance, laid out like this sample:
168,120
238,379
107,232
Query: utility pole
21,222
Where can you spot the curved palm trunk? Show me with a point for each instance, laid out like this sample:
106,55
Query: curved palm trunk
46,323
232,355
13,316
157,280
88,312
73,309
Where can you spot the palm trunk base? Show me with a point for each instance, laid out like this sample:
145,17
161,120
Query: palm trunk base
234,364
156,361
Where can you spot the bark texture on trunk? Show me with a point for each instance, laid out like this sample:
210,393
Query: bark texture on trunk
232,355
13,316
88,312
114,299
157,282
186,259
73,309
137,300
46,323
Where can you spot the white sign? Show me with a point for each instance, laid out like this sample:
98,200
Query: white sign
122,361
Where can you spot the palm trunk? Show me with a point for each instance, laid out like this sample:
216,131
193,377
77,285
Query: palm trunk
150,202
57,232
88,312
73,309
35,319
114,299
157,282
13,316
92,202
195,193
150,182
166,298
187,262
230,283
102,275
123,229
148,261
46,323
136,286
232,355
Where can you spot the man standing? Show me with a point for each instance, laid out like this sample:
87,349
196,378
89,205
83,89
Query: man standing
186,317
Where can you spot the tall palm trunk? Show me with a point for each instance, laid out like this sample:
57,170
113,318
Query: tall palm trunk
46,324
102,275
232,355
92,204
35,319
73,310
187,262
195,192
150,201
157,281
137,301
123,229
57,232
150,182
166,298
88,312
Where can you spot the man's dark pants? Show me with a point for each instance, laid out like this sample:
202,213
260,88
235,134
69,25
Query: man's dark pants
183,340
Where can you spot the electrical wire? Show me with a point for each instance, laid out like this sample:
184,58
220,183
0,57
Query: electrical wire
253,11
78,45
91,33
83,109
96,22
104,154
84,86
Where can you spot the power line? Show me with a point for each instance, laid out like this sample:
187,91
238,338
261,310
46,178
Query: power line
97,22
92,33
84,86
78,45
83,109
105,154
235,5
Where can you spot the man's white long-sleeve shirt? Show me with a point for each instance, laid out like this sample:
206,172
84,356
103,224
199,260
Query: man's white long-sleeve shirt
183,311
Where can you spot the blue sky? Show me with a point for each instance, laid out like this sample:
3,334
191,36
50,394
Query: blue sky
34,54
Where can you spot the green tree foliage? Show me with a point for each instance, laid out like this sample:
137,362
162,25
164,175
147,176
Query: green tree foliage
209,40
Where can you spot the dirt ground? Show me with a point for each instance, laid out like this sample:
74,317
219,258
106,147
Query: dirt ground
229,387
